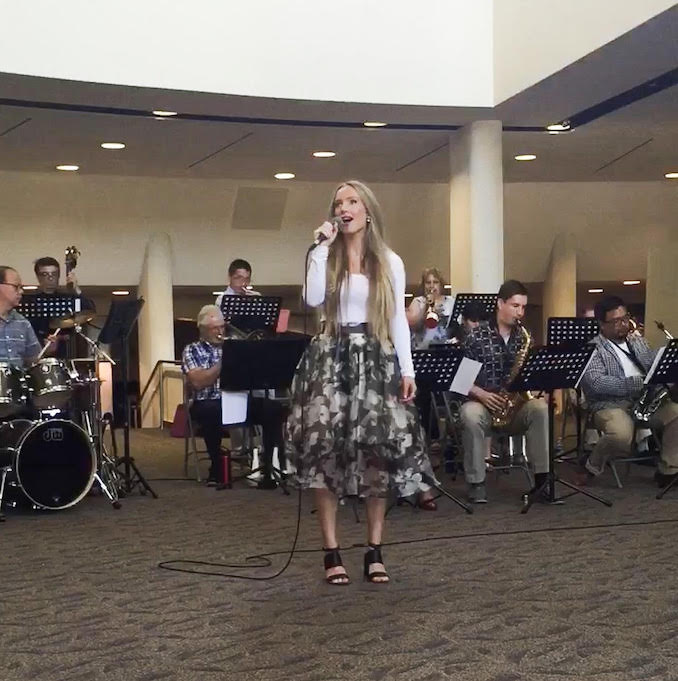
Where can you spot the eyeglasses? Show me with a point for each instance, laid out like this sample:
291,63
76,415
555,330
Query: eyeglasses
17,287
48,275
619,321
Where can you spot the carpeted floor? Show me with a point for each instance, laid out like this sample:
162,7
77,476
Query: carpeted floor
572,592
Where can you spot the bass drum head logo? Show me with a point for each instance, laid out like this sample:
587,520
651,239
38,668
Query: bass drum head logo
53,434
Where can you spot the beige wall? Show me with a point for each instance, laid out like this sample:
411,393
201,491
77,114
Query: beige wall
613,224
110,219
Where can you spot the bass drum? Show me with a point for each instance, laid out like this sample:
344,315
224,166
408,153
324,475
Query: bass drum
53,463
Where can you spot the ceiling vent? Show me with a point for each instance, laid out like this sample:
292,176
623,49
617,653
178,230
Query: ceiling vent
259,208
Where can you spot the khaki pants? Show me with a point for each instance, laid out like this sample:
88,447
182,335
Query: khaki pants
531,420
616,426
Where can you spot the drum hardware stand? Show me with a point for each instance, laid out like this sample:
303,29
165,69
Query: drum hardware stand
122,316
4,471
106,466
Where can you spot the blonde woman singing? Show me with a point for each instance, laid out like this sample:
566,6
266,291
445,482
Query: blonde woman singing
361,435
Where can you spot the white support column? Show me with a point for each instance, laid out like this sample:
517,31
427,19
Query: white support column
660,293
477,208
156,321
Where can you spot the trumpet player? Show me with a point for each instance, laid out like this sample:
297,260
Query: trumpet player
239,277
613,381
496,344
429,315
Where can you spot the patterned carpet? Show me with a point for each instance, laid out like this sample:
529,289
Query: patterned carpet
578,591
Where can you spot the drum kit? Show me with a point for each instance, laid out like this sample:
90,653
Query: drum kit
52,449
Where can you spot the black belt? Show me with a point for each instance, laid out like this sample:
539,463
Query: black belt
346,329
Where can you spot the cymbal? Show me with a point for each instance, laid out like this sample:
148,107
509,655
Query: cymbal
72,320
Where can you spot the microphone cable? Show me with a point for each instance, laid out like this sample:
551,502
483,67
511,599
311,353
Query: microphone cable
263,559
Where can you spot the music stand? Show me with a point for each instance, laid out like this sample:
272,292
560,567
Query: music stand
548,369
122,316
264,364
665,371
487,300
571,333
252,313
39,309
435,369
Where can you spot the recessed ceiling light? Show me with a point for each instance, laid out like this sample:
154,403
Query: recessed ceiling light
595,290
30,287
525,157
112,145
324,154
120,293
559,127
161,113
68,167
631,282
284,176
374,124
671,176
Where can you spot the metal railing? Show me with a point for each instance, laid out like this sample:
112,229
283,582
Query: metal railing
159,371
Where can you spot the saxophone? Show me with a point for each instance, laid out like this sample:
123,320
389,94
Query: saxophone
513,402
653,397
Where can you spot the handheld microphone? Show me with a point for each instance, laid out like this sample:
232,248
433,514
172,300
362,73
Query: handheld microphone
337,222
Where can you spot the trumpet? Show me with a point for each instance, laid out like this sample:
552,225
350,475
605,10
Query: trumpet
431,318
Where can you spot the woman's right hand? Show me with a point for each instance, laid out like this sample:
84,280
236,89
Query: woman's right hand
328,230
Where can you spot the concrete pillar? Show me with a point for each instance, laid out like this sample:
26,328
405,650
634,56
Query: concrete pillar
477,208
559,298
156,321
660,293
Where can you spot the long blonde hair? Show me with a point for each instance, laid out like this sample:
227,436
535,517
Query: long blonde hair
380,306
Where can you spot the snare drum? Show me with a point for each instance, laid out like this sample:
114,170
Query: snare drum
53,464
49,383
12,390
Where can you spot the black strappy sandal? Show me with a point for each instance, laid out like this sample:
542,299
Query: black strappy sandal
333,559
372,556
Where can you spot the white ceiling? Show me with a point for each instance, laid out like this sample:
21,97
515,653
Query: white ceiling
601,150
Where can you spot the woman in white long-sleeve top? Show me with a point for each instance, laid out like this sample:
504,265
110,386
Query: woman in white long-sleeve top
354,386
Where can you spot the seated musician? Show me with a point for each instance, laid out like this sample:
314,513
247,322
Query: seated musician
239,277
613,381
18,343
495,343
202,366
47,272
429,314
471,316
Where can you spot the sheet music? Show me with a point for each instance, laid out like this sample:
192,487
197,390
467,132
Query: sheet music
466,376
233,407
653,368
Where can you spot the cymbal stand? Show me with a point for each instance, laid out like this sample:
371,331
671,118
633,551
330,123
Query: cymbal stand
107,475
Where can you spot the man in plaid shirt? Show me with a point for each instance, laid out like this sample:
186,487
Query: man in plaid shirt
202,366
613,381
495,344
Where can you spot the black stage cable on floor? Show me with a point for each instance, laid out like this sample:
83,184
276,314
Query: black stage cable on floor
265,561
262,558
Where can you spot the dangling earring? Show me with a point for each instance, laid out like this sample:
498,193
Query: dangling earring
368,219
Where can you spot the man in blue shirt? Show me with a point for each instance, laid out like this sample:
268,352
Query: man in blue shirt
18,343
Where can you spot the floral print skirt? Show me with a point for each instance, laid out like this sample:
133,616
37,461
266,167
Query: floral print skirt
348,431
